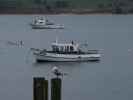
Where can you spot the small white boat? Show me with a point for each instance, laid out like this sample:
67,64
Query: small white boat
65,52
43,23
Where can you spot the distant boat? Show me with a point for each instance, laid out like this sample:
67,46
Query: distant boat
44,23
65,52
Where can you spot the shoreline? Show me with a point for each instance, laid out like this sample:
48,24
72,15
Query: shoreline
58,12
69,13
63,11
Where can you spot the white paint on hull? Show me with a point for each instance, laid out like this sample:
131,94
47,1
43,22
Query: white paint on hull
67,57
47,26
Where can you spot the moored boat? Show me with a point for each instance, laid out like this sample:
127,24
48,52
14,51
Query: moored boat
44,23
65,52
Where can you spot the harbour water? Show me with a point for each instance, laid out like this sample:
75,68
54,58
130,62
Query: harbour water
109,79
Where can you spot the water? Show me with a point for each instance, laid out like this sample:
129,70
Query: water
110,79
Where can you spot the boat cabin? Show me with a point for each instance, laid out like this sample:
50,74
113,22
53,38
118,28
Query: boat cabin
65,48
39,21
42,21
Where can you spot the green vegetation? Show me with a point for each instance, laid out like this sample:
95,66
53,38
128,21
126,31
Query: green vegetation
46,6
88,3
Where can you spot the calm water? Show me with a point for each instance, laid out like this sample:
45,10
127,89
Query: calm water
110,79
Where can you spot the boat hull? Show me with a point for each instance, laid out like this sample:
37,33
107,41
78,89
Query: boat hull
67,58
47,26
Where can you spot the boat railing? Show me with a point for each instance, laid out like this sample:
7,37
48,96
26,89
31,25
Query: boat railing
75,52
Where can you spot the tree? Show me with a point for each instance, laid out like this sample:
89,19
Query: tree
61,4
2,3
116,7
40,2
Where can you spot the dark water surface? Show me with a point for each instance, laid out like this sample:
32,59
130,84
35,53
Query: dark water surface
110,79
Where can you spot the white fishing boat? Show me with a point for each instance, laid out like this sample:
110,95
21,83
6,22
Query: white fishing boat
65,52
44,23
